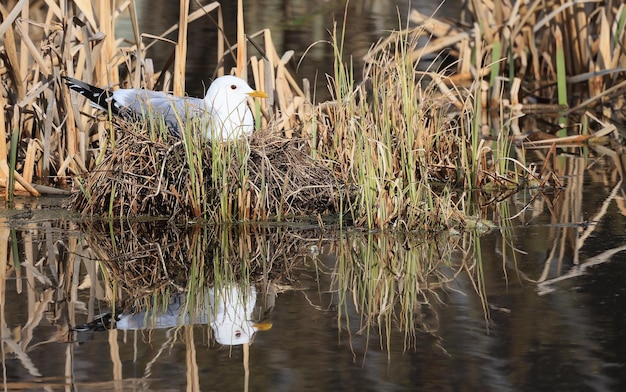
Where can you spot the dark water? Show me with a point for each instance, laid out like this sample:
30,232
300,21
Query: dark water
301,26
554,319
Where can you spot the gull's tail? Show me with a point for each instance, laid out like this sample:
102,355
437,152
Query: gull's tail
100,98
140,109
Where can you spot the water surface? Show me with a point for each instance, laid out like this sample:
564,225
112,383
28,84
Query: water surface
549,318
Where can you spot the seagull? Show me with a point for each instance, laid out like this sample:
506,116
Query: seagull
223,114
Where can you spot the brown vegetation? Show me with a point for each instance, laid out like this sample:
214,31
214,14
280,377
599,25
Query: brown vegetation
399,149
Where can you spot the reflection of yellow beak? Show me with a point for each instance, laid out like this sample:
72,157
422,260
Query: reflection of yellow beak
262,326
257,94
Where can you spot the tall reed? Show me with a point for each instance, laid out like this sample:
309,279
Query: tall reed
541,44
384,136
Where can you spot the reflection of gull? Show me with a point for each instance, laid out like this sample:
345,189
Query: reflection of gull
233,311
224,111
228,310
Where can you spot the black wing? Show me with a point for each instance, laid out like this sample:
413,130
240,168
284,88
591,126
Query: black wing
101,98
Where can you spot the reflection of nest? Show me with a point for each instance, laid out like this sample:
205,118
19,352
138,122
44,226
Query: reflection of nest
147,258
145,175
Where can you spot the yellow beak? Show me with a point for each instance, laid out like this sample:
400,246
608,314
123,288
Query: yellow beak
263,326
257,94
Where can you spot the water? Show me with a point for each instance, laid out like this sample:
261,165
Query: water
554,321
298,25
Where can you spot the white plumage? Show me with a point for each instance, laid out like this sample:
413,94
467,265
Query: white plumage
228,310
223,114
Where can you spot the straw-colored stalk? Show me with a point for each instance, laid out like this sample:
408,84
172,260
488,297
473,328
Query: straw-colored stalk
63,142
521,39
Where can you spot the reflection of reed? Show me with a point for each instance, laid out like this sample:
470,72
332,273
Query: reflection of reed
382,281
570,225
42,262
140,262
574,228
148,262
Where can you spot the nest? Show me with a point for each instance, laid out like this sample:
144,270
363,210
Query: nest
146,174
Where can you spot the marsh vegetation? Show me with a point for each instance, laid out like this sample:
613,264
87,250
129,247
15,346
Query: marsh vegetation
398,145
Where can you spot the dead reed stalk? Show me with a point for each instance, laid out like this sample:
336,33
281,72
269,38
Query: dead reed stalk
520,43
59,142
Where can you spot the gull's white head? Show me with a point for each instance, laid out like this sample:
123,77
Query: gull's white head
227,99
232,324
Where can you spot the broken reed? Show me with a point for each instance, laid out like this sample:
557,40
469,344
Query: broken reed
536,50
58,141
64,141
387,138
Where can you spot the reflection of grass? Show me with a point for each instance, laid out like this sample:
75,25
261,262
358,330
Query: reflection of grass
387,281
381,281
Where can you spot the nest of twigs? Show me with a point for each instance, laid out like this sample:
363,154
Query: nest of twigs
145,174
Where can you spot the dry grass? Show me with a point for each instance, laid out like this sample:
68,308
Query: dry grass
43,42
535,56
399,149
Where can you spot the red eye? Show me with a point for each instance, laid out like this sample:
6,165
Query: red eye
233,87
